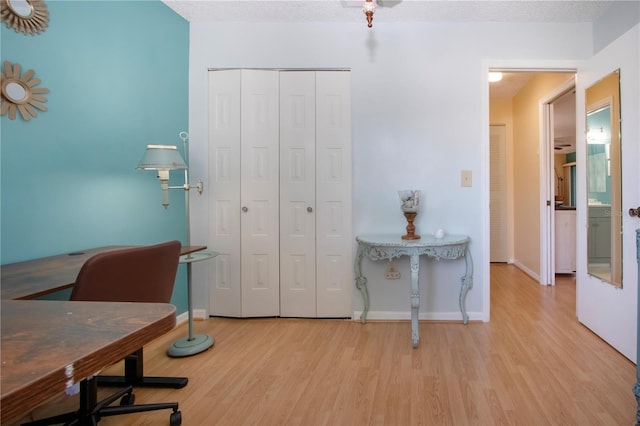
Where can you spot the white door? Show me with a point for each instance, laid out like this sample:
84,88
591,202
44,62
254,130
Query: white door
224,192
608,311
315,196
333,194
297,194
259,193
498,193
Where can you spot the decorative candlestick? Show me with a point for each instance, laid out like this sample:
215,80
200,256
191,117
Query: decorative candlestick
409,203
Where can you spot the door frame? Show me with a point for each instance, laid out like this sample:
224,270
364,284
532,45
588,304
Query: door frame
505,65
504,202
547,184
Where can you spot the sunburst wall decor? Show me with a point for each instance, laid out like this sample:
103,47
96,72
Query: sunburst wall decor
19,92
25,16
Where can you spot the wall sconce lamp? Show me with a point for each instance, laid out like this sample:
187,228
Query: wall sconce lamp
369,8
164,158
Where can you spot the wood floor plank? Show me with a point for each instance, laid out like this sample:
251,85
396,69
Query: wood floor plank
532,364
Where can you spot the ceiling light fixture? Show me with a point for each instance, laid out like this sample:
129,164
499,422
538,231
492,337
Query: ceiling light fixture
494,76
369,8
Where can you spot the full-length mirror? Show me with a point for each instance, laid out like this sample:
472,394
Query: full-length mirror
604,189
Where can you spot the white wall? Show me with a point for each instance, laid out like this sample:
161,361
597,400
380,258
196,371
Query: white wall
419,117
619,18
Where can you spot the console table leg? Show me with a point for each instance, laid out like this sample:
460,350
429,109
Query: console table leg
361,284
466,284
415,299
636,392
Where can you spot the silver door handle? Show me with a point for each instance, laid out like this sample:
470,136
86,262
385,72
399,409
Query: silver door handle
245,209
309,209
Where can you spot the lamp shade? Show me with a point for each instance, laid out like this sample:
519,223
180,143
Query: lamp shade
161,157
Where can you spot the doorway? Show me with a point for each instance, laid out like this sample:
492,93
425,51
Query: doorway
539,118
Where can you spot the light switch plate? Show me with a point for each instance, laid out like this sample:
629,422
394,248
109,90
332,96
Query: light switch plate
465,178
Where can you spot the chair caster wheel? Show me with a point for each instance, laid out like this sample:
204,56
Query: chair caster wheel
175,419
128,399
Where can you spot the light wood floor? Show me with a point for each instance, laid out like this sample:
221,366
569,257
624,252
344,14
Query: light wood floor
533,364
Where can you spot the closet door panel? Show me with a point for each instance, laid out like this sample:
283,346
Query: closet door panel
333,194
259,177
297,194
224,164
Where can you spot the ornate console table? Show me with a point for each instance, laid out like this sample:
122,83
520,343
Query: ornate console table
388,246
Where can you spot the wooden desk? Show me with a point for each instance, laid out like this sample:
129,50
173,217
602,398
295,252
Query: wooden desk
382,246
48,346
37,277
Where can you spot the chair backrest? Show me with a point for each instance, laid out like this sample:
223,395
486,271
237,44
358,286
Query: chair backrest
139,274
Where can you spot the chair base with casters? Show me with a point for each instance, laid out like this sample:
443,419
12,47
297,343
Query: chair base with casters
91,410
134,376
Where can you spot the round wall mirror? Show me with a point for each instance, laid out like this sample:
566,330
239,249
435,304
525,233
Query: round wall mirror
21,8
15,92
20,92
26,16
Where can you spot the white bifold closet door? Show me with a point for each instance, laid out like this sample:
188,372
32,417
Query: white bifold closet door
244,222
315,194
280,212
334,243
298,194
259,223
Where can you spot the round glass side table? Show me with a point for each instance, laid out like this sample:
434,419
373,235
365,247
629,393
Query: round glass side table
192,344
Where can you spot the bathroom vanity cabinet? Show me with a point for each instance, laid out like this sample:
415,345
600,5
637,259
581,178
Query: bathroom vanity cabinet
565,241
599,249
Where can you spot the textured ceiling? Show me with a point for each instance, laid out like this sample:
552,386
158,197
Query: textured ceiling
389,10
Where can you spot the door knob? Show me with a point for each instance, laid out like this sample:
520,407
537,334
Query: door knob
309,209
245,209
634,212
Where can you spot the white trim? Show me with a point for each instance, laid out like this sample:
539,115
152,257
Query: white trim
547,229
198,314
546,199
526,270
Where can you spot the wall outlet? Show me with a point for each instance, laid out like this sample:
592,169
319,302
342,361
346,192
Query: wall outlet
392,272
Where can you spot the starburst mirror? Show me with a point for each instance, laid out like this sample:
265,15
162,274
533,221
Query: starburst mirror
19,92
25,16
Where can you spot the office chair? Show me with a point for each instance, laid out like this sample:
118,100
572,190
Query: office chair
139,274
130,273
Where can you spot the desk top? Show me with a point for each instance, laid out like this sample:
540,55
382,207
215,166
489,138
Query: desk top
395,240
37,277
48,346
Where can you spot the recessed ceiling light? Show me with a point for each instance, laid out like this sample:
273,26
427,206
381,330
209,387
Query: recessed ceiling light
494,76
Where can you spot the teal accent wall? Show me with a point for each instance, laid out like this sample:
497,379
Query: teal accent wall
117,74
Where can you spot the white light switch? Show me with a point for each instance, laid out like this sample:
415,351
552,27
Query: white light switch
465,178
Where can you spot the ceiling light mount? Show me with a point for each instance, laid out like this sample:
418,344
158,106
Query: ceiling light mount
369,8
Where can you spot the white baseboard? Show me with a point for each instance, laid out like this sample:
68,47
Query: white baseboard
406,316
198,314
527,270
